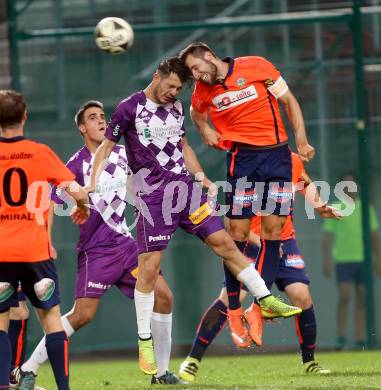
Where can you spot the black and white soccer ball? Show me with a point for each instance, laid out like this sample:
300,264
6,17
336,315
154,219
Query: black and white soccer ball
114,35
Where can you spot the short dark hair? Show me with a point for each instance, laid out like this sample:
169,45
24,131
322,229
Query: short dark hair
196,49
174,65
12,108
349,174
79,116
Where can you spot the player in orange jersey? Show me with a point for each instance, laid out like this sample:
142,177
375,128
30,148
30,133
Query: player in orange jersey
26,169
292,278
240,97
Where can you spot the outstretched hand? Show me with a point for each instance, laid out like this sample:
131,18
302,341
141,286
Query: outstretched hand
89,189
52,251
79,215
306,152
211,137
326,211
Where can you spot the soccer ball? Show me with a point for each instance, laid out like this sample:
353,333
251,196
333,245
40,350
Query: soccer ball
114,35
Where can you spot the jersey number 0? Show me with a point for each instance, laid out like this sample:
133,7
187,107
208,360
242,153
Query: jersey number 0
7,187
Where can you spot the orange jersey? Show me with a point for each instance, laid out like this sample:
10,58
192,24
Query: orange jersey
26,168
288,230
244,107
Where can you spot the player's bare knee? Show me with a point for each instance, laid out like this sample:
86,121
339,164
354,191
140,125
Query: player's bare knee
4,321
225,247
19,313
24,311
272,232
150,273
238,233
81,319
303,301
163,301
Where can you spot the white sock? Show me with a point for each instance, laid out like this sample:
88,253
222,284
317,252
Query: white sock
144,307
250,277
161,326
67,326
40,355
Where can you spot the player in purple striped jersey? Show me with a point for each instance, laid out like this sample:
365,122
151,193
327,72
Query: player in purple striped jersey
161,160
107,253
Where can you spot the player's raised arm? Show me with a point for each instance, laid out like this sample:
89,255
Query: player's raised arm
100,158
295,116
312,195
52,249
193,165
81,212
210,136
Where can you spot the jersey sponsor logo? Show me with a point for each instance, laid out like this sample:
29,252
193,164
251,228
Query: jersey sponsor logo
241,81
160,237
147,133
99,286
280,195
234,98
160,131
16,217
16,156
245,198
6,291
112,185
294,261
44,289
269,82
115,132
135,272
201,213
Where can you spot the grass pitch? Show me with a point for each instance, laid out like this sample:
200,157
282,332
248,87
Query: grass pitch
350,370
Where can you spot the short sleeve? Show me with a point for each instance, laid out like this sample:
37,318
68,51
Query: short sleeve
54,169
119,122
200,101
374,224
58,195
275,83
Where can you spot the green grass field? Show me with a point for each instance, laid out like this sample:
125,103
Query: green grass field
350,370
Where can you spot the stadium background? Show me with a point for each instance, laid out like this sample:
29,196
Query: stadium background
59,72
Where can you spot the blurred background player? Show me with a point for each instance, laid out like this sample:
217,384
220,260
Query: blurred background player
291,278
107,253
240,97
26,168
152,123
343,248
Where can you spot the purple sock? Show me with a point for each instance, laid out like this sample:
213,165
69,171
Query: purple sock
5,359
212,322
17,336
233,286
305,324
57,348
